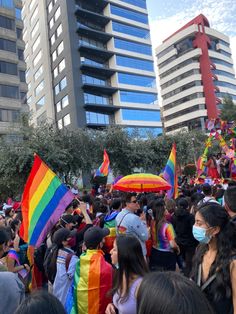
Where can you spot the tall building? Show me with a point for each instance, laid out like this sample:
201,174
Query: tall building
195,71
12,66
90,64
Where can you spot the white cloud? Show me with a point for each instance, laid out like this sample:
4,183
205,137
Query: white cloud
221,16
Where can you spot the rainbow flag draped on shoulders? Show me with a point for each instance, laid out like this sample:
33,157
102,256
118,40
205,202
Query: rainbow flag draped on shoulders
170,174
92,282
103,170
44,199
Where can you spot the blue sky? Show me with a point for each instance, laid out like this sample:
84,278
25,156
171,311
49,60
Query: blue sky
167,16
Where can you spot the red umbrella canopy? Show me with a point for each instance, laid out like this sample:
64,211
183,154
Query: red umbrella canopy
141,182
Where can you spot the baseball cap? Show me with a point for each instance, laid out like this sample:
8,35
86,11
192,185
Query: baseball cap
4,235
94,235
62,234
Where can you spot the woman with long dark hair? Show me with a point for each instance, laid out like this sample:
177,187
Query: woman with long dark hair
127,257
168,293
164,247
214,267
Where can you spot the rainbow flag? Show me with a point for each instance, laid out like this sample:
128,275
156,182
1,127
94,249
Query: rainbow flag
93,280
170,174
103,170
44,200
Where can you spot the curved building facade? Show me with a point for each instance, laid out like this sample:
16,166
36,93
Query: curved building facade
195,71
13,88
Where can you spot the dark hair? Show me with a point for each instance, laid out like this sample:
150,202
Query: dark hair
168,293
230,198
116,204
40,302
206,189
158,208
216,216
182,206
131,262
14,223
128,197
7,211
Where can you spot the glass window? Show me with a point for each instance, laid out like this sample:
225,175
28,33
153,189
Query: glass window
223,73
32,3
36,44
138,3
95,99
22,76
55,72
21,55
58,106
140,115
225,84
65,102
39,88
66,120
34,15
218,61
5,22
60,48
54,55
19,33
51,23
18,13
61,65
8,68
131,30
144,132
129,14
60,86
59,30
137,97
7,3
59,124
37,58
34,30
50,6
8,45
9,91
41,102
57,89
53,39
38,73
132,46
57,14
97,118
138,80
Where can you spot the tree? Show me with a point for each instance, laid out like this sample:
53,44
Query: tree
228,111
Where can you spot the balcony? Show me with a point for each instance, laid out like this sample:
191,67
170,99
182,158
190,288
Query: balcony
98,4
97,18
89,32
96,70
99,89
98,53
106,109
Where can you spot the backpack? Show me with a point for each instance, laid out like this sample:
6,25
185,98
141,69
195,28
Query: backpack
39,256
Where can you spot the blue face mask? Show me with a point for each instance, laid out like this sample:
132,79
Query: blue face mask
199,234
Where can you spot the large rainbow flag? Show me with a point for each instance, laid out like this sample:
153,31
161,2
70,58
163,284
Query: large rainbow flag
170,174
44,200
93,281
103,170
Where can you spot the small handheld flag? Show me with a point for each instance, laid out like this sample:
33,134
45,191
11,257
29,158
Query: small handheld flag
43,202
170,174
103,170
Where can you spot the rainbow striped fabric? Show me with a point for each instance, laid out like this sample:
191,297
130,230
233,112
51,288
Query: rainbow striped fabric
170,174
93,280
44,200
103,170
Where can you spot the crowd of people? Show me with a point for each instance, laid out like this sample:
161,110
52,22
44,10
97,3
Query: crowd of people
126,253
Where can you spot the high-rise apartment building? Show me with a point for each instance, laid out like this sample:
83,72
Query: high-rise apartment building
12,66
195,70
90,64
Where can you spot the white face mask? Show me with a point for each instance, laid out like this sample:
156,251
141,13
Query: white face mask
116,266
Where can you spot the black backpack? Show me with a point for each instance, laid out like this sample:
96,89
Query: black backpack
39,256
49,264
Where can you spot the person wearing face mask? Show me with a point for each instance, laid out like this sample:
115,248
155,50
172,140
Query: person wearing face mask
127,257
214,265
63,261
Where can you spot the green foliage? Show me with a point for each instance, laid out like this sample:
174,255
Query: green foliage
228,111
190,170
68,153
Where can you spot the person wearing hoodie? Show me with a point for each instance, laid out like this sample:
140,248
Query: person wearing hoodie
183,223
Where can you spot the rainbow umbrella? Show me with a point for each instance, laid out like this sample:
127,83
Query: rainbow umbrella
141,182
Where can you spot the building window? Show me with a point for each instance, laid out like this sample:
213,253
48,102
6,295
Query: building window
34,30
137,80
132,46
131,30
40,103
7,4
66,120
19,33
22,76
37,58
97,118
65,102
129,14
7,115
138,3
5,22
36,44
59,124
39,88
58,106
140,115
34,15
55,18
60,86
50,6
137,97
61,66
59,30
38,73
56,34
21,54
134,63
9,91
18,13
8,68
32,3
7,45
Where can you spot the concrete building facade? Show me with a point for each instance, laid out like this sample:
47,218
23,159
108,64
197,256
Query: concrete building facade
12,66
195,71
90,64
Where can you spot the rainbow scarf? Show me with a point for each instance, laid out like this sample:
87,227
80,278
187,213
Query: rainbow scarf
93,280
110,223
44,200
103,170
13,255
170,174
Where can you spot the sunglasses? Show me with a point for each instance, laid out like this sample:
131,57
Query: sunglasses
135,201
